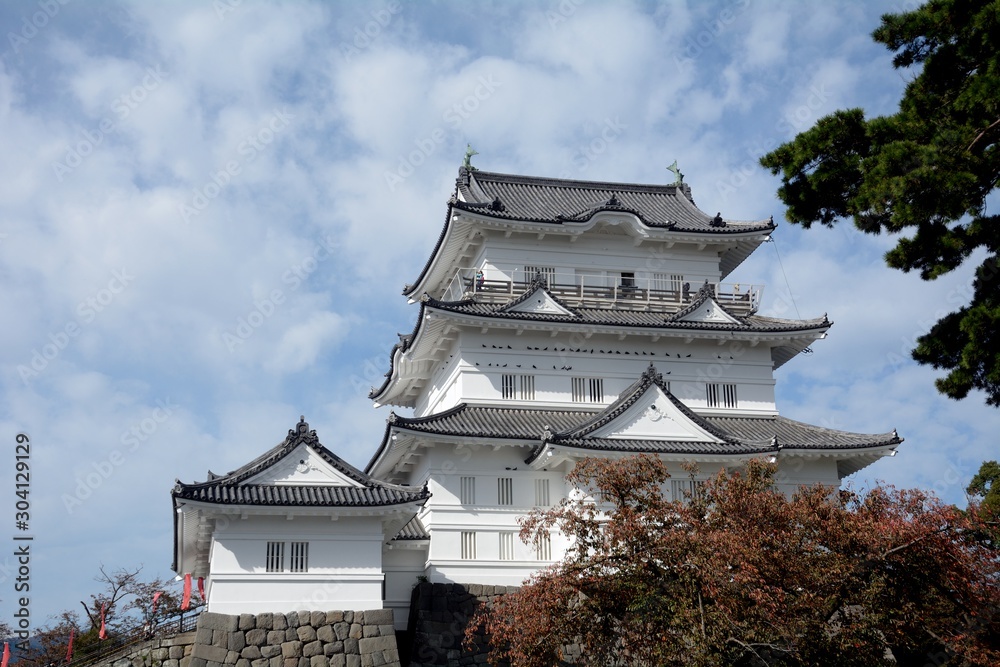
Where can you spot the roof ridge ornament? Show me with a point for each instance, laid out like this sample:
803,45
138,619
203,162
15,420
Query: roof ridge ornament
539,281
613,201
652,374
497,205
705,291
677,172
717,221
469,152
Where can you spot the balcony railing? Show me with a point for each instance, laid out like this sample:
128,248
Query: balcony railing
601,291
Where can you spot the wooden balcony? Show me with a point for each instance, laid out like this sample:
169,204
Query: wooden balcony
738,298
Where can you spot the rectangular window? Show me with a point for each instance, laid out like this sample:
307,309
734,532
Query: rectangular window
520,387
300,557
275,556
468,545
506,546
508,386
547,272
541,493
505,491
684,490
468,496
720,395
588,390
667,282
628,280
543,551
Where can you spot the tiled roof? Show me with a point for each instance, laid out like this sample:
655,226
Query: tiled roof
413,530
232,489
557,201
629,318
791,434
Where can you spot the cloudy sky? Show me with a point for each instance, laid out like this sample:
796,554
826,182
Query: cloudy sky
173,172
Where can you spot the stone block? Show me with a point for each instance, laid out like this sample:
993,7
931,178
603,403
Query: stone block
203,636
353,661
209,653
242,662
334,617
289,662
256,637
251,653
279,622
379,617
355,631
292,619
351,646
171,663
369,631
276,637
303,662
232,657
306,633
247,622
317,619
348,616
319,661
339,660
260,662
265,621
325,633
304,617
391,656
175,652
366,660
270,651
276,661
159,654
377,644
291,649
312,649
215,621
196,662
386,630
237,641
378,660
220,638
291,634
342,630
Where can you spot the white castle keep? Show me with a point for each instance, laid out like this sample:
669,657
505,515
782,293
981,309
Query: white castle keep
557,320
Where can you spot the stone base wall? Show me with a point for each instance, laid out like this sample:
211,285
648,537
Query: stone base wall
163,652
439,614
296,639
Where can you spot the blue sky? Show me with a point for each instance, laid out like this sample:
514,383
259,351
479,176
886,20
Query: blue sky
174,170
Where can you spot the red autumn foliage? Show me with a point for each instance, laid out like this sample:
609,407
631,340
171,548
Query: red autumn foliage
743,575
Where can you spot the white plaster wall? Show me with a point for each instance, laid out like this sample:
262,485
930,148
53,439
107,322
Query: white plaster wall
344,569
402,567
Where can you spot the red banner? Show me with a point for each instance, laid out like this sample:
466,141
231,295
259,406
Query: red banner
186,600
6,654
156,598
69,649
103,634
201,588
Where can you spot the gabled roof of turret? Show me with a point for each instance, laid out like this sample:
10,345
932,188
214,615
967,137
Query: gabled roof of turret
338,485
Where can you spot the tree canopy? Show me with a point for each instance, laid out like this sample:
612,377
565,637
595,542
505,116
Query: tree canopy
926,172
743,575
